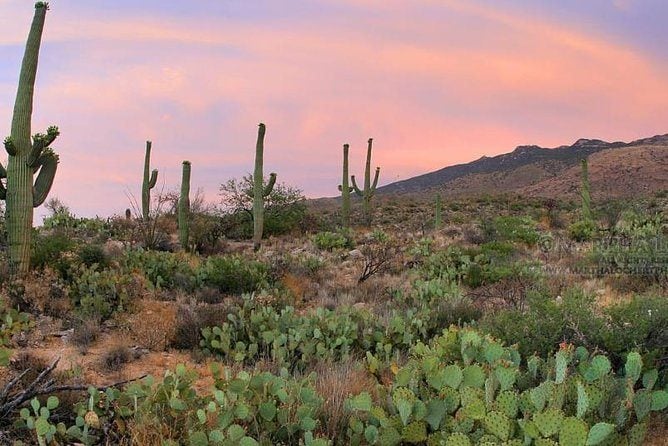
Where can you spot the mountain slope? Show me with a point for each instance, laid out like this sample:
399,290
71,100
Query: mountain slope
619,168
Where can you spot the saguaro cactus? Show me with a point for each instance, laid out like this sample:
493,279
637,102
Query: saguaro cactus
369,188
184,206
148,183
27,157
584,193
345,189
260,191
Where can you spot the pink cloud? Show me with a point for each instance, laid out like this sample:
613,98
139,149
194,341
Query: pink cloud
430,94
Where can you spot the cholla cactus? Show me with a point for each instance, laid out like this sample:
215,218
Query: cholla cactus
260,191
184,206
369,188
26,156
345,190
148,183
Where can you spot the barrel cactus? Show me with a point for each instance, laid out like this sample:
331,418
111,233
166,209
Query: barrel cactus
260,190
27,156
148,183
369,188
184,206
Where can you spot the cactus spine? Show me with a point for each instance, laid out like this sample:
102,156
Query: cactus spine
184,206
345,189
369,188
148,183
260,191
584,193
27,157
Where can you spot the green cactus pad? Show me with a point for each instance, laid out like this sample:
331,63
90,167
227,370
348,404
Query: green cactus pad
508,403
637,434
497,424
436,411
474,376
529,428
642,404
599,433
659,400
583,401
458,439
451,399
597,369
415,432
548,422
453,376
389,437
506,376
545,442
633,366
649,379
573,432
562,359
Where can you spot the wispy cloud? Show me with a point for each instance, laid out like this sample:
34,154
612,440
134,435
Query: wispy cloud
433,81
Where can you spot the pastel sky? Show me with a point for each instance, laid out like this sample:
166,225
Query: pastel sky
435,82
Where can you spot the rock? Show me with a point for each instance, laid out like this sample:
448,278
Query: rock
356,254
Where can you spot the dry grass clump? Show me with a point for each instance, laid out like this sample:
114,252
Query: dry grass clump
116,357
335,383
153,326
85,332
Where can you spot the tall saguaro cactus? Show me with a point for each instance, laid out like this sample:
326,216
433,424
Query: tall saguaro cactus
584,193
260,190
148,183
369,188
26,156
345,189
184,206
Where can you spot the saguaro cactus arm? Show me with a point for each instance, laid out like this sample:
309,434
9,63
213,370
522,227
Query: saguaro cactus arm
270,185
9,146
375,180
41,142
47,165
357,190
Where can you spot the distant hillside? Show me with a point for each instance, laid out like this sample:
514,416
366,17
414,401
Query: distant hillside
616,169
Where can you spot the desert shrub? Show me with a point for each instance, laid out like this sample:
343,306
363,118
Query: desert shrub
49,250
582,231
92,254
515,229
546,322
164,270
85,331
330,241
116,357
285,208
234,274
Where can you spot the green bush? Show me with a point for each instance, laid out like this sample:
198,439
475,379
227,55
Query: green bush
641,323
330,241
48,250
234,274
164,270
516,229
91,254
582,231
